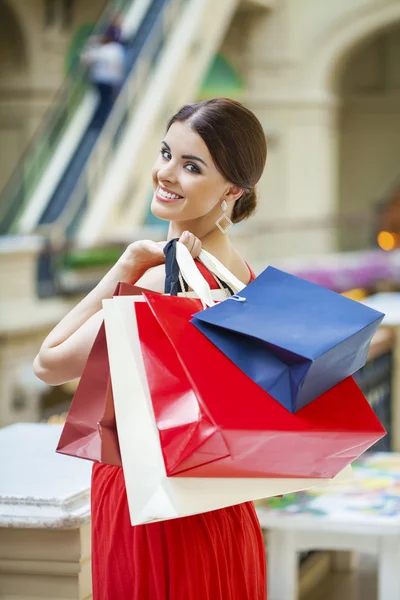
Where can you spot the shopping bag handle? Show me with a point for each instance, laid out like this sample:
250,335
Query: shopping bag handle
195,279
192,275
219,270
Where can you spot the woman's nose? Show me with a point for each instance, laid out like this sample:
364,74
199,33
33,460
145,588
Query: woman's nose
167,172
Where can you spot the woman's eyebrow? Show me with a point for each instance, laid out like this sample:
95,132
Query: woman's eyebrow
186,156
191,157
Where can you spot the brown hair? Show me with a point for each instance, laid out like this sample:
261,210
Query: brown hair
236,141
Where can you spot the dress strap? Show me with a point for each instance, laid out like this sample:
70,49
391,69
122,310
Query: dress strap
252,274
212,279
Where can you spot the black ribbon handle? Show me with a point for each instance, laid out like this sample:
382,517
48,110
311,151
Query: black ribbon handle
172,281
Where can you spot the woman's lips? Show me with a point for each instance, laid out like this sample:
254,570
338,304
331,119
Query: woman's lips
167,199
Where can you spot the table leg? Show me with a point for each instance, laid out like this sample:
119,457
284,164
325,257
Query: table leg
389,568
343,561
282,565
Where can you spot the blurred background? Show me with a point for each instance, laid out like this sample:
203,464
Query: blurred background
76,153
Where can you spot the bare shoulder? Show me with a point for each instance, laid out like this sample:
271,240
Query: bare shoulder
153,279
240,268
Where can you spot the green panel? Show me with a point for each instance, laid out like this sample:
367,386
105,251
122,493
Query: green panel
222,79
96,257
76,45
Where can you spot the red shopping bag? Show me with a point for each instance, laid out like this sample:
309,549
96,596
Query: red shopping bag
90,429
214,421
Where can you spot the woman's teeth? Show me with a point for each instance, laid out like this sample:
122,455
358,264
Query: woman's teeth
165,194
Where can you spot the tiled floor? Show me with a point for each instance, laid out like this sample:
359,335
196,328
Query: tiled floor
360,585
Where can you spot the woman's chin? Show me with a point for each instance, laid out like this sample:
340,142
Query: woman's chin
158,211
167,211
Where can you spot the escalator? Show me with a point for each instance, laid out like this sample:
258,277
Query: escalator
78,162
46,175
56,187
76,179
116,191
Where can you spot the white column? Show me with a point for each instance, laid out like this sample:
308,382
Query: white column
282,564
389,576
24,323
298,192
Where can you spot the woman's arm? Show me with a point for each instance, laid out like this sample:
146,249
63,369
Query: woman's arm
64,352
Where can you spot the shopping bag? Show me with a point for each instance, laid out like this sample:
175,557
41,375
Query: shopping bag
262,438
209,422
90,430
295,339
152,494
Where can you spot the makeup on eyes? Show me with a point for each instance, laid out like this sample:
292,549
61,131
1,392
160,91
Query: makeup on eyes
166,147
196,170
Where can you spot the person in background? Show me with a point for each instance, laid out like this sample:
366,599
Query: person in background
114,29
106,63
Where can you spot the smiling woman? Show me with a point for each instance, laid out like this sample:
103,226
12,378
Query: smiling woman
204,177
187,184
201,162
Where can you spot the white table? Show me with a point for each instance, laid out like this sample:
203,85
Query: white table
44,517
363,516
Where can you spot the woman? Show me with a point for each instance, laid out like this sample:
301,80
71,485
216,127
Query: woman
212,156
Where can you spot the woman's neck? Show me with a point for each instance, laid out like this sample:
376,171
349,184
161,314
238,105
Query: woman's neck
212,239
216,242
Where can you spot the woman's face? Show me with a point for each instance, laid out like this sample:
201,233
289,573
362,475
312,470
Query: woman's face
186,182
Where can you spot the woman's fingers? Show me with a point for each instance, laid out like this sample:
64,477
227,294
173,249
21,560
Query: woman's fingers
192,243
196,248
185,239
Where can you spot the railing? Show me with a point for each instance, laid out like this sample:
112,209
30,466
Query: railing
123,110
375,380
37,155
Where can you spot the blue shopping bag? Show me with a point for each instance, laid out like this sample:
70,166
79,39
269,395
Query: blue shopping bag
295,339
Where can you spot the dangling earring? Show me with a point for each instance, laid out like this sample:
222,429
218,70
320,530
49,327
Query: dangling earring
224,217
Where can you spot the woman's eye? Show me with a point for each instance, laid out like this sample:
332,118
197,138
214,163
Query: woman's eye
192,168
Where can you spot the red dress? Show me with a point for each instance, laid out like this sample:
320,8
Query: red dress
217,555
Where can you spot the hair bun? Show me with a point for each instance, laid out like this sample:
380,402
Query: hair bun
245,206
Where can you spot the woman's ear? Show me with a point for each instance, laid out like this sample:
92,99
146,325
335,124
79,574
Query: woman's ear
233,193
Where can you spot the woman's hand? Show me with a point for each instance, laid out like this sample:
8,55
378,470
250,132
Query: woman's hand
192,243
64,352
143,255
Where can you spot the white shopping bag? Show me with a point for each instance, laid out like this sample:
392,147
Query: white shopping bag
151,494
